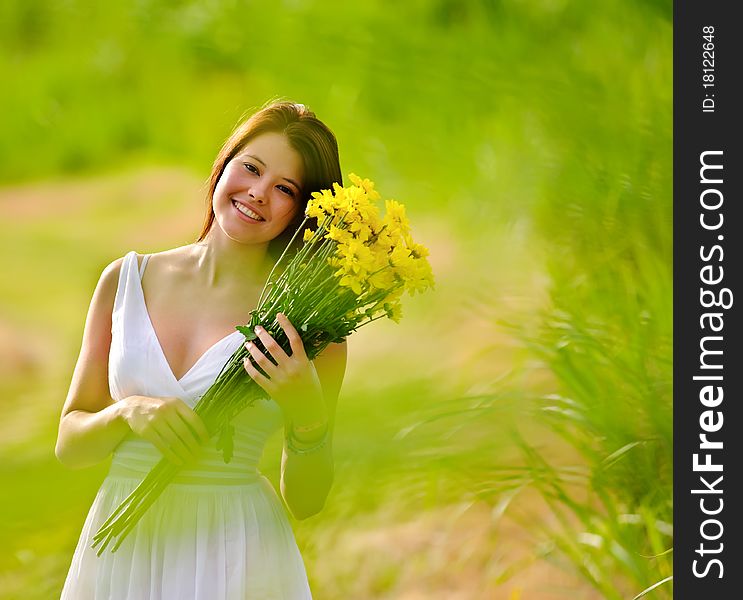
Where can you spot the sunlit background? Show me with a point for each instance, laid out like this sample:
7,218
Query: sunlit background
512,436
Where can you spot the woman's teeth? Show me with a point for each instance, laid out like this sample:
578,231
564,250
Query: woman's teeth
246,211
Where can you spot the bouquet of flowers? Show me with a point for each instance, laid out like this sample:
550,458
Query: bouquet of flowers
350,271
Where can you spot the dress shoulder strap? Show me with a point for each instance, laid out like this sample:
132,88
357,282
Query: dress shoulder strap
128,269
143,266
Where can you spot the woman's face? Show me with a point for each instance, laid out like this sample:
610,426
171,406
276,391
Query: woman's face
263,178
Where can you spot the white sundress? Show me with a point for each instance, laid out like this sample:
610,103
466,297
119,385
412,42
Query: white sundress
218,531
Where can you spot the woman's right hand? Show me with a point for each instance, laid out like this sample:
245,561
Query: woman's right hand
169,424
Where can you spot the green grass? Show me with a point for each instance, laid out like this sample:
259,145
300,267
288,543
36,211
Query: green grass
531,143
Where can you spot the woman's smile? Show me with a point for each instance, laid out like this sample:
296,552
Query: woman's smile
246,213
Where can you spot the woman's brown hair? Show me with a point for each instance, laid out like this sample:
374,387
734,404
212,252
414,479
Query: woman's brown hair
309,136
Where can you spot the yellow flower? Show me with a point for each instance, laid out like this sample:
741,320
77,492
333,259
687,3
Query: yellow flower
308,233
395,229
314,210
396,214
382,280
361,230
373,254
400,259
338,234
339,193
334,261
352,198
418,277
355,179
353,282
322,203
384,240
417,250
356,256
417,284
366,184
394,311
368,211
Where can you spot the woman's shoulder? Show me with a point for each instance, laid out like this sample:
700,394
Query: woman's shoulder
173,262
107,286
110,275
174,258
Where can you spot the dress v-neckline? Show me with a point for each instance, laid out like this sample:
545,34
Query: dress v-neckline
157,340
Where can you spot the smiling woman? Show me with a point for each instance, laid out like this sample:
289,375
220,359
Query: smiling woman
153,345
307,149
259,191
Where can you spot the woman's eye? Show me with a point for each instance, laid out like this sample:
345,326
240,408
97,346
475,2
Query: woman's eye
250,168
286,190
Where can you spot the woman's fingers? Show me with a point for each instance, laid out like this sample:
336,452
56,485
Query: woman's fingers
187,435
256,375
174,440
171,426
271,345
295,340
269,368
187,425
163,446
195,423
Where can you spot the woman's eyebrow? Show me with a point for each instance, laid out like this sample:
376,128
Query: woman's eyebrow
296,185
256,158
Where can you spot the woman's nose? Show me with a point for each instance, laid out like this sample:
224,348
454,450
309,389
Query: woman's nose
257,192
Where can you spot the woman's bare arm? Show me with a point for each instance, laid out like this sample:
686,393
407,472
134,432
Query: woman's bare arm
306,479
92,424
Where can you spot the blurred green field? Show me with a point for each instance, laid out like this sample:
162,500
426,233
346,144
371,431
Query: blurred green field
531,144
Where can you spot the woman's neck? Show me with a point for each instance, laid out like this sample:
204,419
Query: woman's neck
224,262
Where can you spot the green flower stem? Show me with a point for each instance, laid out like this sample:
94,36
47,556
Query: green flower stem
276,264
158,473
320,291
158,485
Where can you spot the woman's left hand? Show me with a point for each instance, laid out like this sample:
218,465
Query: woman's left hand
292,382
